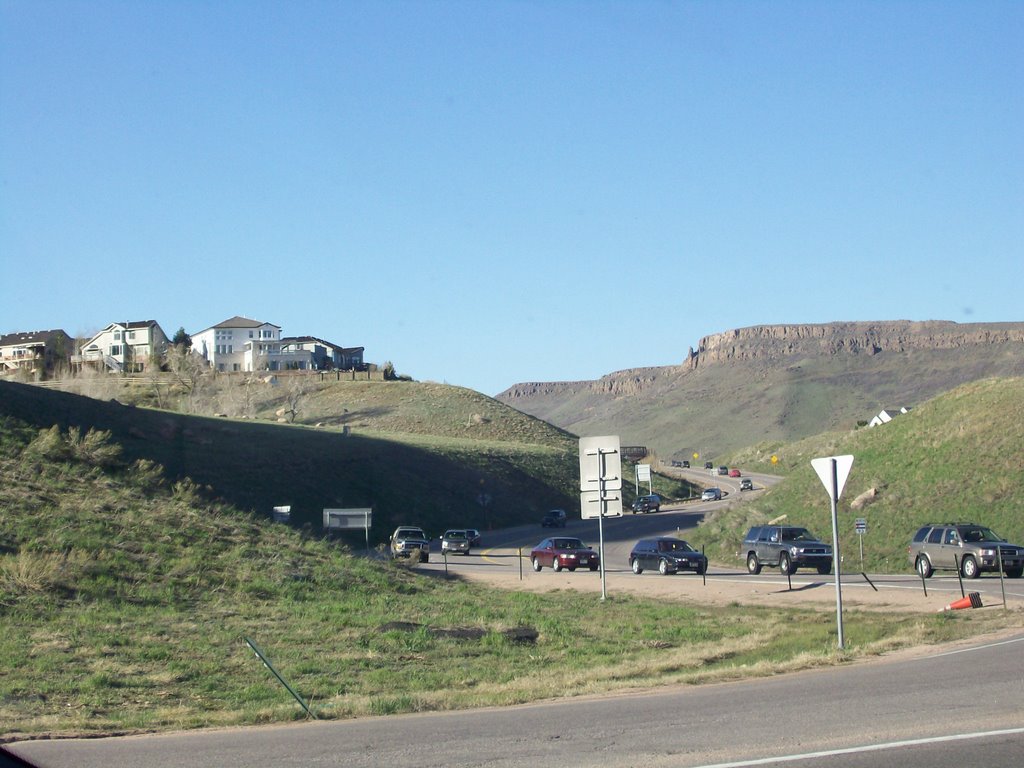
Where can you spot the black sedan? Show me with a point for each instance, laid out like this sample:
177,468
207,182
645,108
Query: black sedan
561,552
668,555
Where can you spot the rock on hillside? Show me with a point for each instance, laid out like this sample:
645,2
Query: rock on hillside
789,381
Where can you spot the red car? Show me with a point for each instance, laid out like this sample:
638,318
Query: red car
734,473
561,552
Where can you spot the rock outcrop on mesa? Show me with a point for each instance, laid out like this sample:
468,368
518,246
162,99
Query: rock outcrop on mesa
783,381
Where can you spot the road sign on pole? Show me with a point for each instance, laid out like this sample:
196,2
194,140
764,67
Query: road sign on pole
601,473
833,471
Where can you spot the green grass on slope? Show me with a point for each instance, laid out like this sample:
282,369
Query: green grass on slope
433,480
125,600
959,456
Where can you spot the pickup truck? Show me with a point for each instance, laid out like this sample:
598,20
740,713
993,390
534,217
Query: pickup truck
786,546
408,541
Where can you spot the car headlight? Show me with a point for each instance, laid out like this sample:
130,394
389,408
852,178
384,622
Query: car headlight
988,552
794,550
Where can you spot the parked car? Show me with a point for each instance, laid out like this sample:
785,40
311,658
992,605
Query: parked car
686,463
643,504
455,540
974,548
734,473
746,484
561,552
475,539
668,555
408,542
711,494
786,546
723,470
553,519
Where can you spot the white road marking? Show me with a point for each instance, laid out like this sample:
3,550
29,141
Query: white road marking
867,748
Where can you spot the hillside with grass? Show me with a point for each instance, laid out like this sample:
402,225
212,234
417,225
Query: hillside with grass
777,383
127,599
423,454
958,456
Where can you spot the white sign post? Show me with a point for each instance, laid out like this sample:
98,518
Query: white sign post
833,471
601,472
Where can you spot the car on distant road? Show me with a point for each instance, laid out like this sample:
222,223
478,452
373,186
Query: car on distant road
455,540
723,470
409,541
709,465
475,539
667,555
651,503
971,547
734,473
711,494
786,546
746,484
561,552
553,519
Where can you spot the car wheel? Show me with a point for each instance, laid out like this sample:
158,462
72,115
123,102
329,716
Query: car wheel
663,567
786,565
1014,573
636,566
593,566
923,567
969,567
753,564
824,569
555,565
536,564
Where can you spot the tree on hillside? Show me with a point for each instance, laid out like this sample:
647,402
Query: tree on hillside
190,371
182,339
299,387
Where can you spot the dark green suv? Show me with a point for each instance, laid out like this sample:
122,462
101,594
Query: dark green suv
970,547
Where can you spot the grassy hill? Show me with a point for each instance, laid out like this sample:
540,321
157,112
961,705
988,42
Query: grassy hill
422,454
958,456
756,389
126,596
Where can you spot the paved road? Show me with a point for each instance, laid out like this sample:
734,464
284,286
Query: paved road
944,709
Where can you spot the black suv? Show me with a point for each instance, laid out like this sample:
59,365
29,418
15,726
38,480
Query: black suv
972,547
787,547
553,519
647,504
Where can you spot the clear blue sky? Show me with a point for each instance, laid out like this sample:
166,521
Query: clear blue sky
486,193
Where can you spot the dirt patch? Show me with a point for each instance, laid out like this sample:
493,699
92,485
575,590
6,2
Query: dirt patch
898,593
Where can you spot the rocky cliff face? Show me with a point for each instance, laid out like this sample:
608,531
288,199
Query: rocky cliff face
772,344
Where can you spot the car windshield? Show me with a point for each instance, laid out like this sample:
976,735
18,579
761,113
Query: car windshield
797,534
674,546
979,533
455,535
410,533
569,544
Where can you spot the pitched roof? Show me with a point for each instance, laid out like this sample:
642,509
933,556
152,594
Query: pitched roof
237,322
30,337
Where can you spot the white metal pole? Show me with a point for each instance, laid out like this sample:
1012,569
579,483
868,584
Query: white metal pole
836,560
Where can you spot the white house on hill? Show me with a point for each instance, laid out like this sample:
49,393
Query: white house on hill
242,344
886,415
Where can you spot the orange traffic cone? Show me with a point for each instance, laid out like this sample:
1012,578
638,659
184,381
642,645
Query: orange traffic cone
973,600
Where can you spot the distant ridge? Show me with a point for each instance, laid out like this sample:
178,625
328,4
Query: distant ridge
777,382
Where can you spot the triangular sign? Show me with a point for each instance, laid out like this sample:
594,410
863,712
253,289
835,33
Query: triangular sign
823,467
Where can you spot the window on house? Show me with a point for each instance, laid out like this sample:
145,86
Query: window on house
115,350
131,334
117,335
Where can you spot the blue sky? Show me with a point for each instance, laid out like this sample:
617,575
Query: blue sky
486,193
